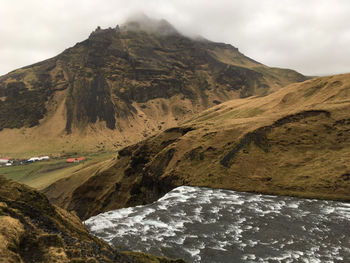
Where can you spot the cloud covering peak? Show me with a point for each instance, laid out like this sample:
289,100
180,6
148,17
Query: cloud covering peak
141,21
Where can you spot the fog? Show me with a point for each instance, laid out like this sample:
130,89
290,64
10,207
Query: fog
312,37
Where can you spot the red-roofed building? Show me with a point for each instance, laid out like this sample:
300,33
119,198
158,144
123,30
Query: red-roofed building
76,160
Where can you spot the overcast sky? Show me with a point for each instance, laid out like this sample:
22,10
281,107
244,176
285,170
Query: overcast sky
310,36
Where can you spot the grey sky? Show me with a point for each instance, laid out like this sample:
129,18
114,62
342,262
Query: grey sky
310,36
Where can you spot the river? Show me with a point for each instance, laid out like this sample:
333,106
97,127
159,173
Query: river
214,225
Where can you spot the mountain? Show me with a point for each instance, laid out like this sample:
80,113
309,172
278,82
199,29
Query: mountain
295,141
122,85
33,230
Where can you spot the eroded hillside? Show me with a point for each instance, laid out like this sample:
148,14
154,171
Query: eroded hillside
32,230
295,141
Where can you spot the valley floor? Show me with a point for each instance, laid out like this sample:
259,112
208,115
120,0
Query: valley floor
41,174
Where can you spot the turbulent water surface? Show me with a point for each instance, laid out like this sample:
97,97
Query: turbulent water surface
207,225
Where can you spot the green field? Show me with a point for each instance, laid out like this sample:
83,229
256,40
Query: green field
43,173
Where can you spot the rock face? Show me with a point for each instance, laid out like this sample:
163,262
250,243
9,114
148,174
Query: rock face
127,83
32,230
295,141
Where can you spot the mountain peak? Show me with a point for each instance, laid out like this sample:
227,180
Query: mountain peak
133,82
141,22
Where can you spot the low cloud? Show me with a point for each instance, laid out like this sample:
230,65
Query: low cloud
309,36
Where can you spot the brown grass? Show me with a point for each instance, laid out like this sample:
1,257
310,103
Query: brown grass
295,141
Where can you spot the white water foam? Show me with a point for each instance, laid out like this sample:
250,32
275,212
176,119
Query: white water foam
206,225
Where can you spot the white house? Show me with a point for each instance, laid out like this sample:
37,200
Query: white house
33,159
4,160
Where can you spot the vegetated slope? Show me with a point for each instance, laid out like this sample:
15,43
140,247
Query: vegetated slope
32,230
295,141
123,84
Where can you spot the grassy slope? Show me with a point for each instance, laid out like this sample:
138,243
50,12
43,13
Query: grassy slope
295,141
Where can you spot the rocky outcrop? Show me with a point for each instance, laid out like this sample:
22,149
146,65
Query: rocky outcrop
89,101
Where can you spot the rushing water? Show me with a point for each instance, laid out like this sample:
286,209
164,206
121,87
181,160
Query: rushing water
207,225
